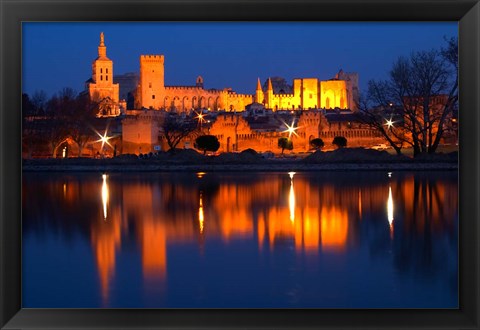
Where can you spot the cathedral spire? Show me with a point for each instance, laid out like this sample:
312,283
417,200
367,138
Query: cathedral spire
102,49
259,86
270,88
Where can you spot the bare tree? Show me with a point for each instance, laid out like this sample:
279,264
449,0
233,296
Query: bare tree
413,105
382,119
80,122
175,128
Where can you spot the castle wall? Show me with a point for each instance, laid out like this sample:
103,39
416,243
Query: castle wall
309,93
140,133
333,94
284,102
99,92
352,88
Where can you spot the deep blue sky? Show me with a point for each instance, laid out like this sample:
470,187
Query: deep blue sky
57,55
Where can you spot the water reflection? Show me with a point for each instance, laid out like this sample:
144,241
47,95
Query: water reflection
291,197
390,209
200,214
156,217
104,196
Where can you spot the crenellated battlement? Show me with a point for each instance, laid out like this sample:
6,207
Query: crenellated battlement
283,95
152,58
183,88
235,95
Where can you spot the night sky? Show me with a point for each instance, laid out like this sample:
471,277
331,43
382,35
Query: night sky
58,55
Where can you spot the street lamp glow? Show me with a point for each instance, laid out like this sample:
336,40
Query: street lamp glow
104,138
291,129
200,116
389,123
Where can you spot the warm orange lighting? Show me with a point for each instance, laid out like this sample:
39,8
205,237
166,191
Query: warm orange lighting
311,230
360,204
104,196
200,214
200,174
154,249
200,116
334,227
106,239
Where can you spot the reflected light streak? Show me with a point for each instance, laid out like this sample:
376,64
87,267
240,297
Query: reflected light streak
291,198
104,196
200,214
360,204
200,174
390,209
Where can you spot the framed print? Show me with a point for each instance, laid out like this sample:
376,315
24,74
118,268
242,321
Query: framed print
240,164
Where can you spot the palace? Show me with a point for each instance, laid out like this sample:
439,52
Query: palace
151,92
320,108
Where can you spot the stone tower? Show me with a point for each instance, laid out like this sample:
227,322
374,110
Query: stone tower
101,86
269,101
151,89
259,97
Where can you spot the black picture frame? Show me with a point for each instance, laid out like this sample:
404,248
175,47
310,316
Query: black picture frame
14,12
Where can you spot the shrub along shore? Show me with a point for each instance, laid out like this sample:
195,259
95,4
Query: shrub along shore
248,160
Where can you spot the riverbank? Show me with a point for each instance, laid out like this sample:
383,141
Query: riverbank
349,159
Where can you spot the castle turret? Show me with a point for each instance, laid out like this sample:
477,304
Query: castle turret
259,97
269,93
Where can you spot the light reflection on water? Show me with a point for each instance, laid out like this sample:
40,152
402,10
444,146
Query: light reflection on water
240,240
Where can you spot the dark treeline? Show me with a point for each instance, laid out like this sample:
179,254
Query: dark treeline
51,121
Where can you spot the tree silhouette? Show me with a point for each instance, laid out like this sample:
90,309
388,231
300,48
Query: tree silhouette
207,143
317,143
285,143
339,141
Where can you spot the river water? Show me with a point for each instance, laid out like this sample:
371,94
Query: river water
240,240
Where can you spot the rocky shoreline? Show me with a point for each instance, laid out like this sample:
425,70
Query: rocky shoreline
349,159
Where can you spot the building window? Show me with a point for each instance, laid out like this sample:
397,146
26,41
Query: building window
153,97
149,85
311,95
101,70
106,70
101,77
106,77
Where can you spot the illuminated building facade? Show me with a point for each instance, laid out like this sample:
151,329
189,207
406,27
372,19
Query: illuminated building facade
152,93
100,86
330,104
